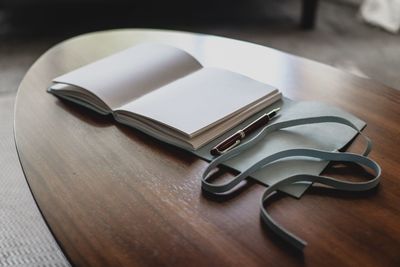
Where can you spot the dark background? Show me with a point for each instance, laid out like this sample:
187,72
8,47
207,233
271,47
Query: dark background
62,17
340,38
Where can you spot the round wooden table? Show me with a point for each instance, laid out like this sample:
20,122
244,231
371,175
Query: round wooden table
113,196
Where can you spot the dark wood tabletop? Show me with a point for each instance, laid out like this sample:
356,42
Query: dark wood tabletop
113,196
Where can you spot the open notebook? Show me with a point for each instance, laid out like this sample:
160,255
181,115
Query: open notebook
166,93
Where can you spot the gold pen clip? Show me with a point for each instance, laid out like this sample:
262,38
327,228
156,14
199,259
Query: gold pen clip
228,148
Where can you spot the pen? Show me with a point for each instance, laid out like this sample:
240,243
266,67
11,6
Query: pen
237,137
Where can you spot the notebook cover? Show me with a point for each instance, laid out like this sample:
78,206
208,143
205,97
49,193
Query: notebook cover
324,136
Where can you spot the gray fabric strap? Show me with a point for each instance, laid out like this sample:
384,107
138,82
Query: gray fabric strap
224,187
329,181
303,152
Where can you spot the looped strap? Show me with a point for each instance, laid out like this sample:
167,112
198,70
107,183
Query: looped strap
303,152
224,187
329,181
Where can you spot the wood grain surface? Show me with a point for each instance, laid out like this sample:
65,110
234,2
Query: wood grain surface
113,196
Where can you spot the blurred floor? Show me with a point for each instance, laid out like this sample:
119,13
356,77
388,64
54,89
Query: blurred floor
340,39
24,237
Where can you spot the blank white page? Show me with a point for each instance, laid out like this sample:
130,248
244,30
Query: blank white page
200,100
131,73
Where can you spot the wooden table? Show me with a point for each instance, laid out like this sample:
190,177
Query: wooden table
115,197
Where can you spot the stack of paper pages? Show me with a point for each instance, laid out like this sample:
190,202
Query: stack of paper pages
166,93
